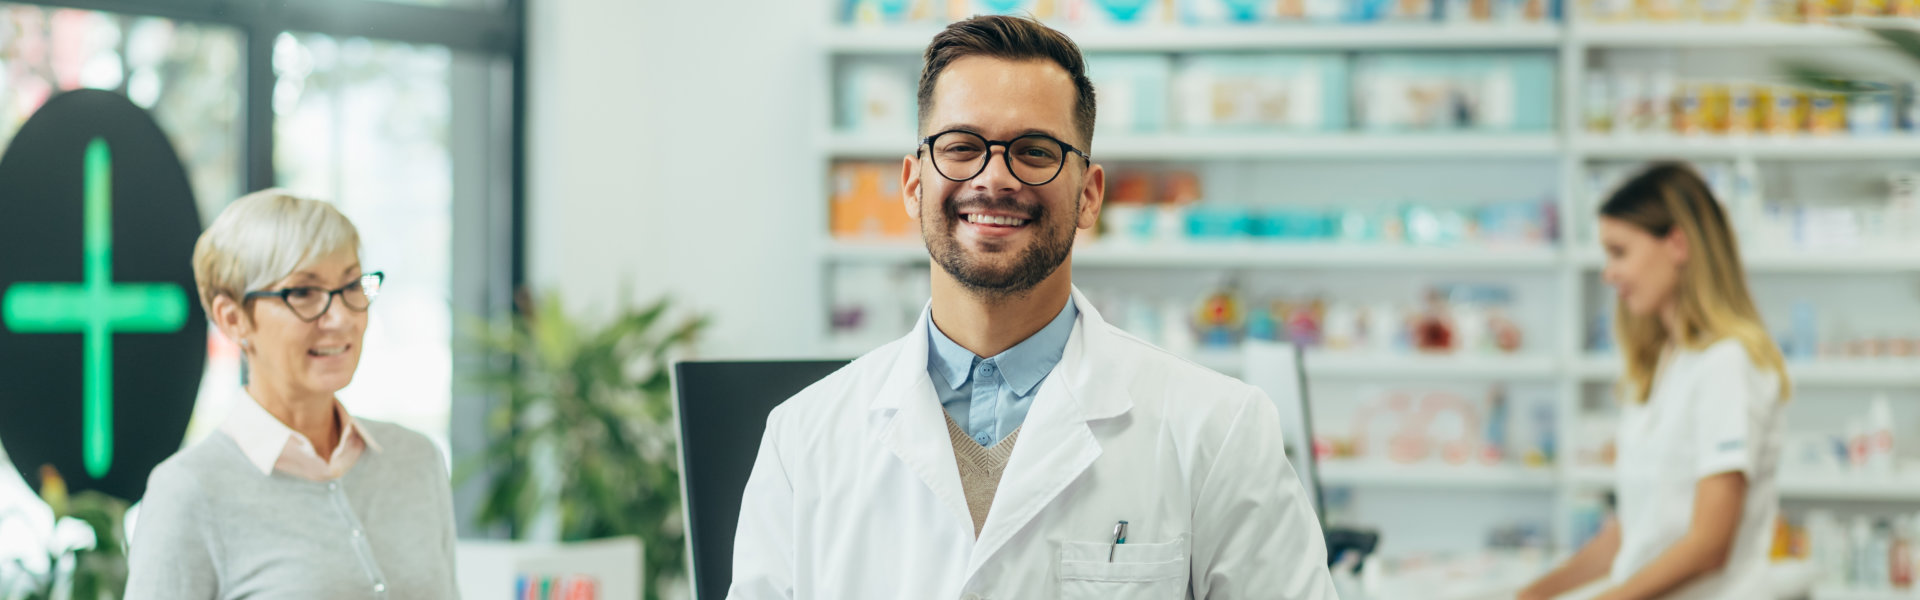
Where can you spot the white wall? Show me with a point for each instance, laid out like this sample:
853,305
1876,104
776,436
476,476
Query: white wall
671,148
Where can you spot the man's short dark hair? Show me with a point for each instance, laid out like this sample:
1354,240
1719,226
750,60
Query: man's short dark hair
1008,38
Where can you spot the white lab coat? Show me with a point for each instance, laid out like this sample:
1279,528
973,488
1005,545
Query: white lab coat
855,493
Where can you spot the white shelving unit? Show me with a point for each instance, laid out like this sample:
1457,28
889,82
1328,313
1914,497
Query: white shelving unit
858,40
1840,593
1717,35
1234,255
1798,486
1889,261
1758,147
1244,147
1889,372
1570,264
1335,473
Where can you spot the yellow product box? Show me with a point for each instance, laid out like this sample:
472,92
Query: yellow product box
1743,109
1659,10
1826,114
1783,110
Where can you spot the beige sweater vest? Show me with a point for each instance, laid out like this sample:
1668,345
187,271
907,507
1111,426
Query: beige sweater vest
980,469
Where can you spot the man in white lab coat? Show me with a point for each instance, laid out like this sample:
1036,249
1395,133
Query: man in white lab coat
1015,445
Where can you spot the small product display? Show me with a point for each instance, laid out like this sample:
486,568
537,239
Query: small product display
1662,103
1872,553
543,587
866,203
1132,96
1445,427
1866,449
1773,224
873,304
1261,92
1161,13
1740,11
1455,319
877,97
1500,92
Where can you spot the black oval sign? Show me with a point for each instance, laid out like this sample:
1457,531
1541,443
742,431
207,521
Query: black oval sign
102,340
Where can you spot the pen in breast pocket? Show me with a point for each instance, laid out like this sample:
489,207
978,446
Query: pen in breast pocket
1119,537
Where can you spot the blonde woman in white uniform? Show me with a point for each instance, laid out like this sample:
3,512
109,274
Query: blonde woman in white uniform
1700,420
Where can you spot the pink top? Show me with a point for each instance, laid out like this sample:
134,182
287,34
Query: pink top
271,445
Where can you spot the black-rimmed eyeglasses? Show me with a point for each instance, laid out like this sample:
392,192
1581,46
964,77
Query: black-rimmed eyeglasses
1035,159
310,303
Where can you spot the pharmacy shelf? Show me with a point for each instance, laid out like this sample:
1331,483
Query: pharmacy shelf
913,41
1759,147
1302,145
1249,255
1889,372
1431,476
1843,593
1798,486
1337,366
1831,262
1710,35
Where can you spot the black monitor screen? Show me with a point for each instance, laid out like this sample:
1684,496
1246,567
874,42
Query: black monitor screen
723,412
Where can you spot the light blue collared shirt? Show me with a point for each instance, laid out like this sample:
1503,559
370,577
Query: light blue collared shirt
989,397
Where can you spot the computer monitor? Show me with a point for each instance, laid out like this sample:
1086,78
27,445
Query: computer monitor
1279,370
723,412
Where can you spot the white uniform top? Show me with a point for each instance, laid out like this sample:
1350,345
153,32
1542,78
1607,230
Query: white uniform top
1711,411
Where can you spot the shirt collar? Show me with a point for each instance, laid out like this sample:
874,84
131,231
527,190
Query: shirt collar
262,437
1022,366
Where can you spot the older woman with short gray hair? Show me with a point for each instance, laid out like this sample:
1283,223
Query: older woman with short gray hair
293,497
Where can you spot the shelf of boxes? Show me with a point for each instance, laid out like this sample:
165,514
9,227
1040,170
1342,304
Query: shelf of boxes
1880,261
1798,486
1436,476
1571,259
1246,147
1717,35
1859,372
1247,38
1367,367
1844,593
1758,147
1249,255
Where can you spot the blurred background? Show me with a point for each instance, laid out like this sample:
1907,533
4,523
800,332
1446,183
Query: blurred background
1405,188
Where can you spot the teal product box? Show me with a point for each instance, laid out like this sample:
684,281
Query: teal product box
1127,12
1131,92
1216,12
1214,223
877,97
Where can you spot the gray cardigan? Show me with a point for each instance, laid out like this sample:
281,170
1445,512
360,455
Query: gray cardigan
211,526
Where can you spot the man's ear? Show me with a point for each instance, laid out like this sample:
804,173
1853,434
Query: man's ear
1093,194
910,185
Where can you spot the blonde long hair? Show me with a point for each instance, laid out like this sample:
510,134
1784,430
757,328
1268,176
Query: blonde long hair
1712,298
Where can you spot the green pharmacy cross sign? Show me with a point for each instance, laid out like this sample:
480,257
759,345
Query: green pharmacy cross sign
102,347
97,309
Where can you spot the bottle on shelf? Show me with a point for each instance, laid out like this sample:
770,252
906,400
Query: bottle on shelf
1900,557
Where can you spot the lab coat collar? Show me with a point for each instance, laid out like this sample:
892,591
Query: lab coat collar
1055,444
1095,397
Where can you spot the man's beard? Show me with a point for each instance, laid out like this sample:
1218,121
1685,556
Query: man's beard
1052,243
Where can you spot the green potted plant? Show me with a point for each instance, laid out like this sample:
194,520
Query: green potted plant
73,550
1902,34
584,433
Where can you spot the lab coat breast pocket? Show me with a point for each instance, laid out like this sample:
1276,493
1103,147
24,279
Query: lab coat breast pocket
1137,572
